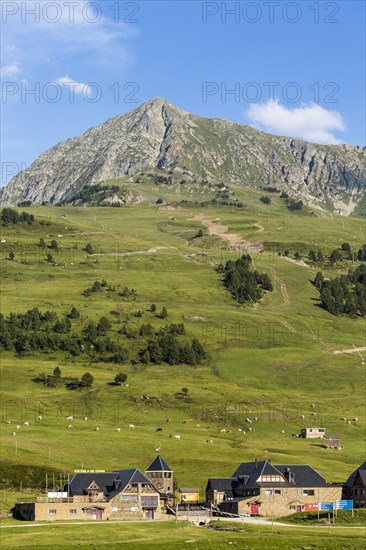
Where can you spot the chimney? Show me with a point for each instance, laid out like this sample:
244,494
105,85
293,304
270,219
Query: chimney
256,464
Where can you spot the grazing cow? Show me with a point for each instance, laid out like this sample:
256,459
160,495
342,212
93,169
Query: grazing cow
355,419
8,422
228,431
302,417
223,431
197,426
13,433
25,423
175,436
255,418
158,449
39,417
97,428
209,428
118,429
282,431
296,436
248,420
239,429
251,429
210,441
168,420
312,405
313,414
349,422
131,426
159,429
70,418
185,421
18,427
85,418
344,419
70,426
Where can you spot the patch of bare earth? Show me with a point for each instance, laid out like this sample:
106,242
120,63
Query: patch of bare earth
215,228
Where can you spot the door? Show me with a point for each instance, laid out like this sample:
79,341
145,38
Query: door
99,514
298,508
149,513
254,509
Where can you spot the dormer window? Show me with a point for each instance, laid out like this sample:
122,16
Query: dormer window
93,487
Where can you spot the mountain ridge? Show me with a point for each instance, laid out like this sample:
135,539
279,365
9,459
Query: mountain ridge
157,134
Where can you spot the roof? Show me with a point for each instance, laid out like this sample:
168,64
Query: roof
189,490
158,465
221,484
80,482
358,477
110,484
303,475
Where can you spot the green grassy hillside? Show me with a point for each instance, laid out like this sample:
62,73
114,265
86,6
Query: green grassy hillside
272,360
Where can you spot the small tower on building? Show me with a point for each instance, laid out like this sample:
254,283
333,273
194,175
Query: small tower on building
162,477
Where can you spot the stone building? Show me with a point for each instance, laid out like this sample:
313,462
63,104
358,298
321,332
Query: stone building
162,477
355,487
121,494
261,488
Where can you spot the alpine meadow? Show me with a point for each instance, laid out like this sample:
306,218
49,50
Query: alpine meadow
183,275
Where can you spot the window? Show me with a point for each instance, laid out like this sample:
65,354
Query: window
268,492
278,491
149,502
168,488
73,511
52,512
308,492
269,478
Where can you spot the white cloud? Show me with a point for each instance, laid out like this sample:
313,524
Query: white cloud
77,87
310,122
13,69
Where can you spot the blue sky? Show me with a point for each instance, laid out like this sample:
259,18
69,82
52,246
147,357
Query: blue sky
293,68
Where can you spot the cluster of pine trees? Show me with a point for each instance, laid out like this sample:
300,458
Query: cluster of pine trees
243,284
10,216
344,295
34,331
55,380
165,347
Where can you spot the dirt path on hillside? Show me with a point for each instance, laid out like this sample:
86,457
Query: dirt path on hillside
297,262
134,252
283,287
220,230
351,350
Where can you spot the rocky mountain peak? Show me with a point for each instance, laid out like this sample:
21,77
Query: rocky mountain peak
157,134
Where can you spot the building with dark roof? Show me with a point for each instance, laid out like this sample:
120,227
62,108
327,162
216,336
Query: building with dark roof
162,477
121,494
262,488
355,487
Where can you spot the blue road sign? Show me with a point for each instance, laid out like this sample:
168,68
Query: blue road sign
325,506
344,504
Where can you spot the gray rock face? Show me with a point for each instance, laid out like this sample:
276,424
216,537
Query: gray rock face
159,135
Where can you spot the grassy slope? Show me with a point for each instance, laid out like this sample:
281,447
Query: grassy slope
262,366
173,535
